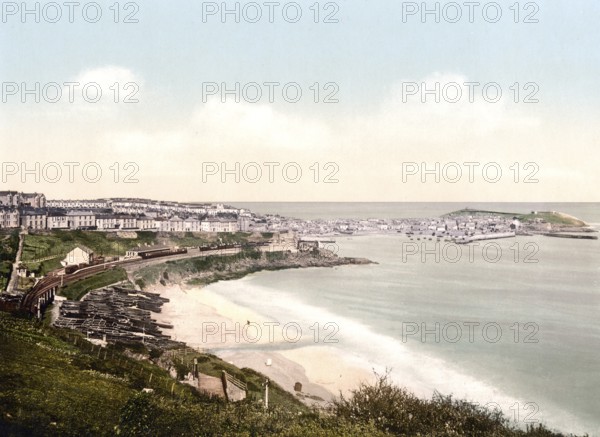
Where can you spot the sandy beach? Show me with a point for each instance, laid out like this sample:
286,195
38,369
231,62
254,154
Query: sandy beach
205,320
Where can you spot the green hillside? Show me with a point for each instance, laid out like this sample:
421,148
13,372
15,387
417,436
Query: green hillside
553,217
55,383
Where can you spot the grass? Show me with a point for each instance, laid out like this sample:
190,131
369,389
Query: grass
555,218
190,239
212,365
58,243
9,244
215,264
5,272
54,382
204,270
76,290
475,212
46,266
24,284
51,386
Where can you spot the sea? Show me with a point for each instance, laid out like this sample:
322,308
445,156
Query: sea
510,324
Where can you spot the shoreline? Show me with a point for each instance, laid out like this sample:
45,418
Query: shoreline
322,370
201,271
317,368
314,366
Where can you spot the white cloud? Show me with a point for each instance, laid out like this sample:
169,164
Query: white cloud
106,76
259,126
368,147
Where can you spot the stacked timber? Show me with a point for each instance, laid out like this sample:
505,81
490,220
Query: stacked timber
117,314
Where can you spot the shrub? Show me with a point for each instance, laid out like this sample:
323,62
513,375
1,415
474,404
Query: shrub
393,409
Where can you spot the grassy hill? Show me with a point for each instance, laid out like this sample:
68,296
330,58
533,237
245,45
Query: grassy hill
43,250
553,217
55,383
56,244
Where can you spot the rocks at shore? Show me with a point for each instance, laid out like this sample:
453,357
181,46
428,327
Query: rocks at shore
206,271
574,236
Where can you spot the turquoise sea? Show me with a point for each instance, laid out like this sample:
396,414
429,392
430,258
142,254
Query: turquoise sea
589,212
524,335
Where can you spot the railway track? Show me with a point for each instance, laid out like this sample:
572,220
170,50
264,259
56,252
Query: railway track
44,291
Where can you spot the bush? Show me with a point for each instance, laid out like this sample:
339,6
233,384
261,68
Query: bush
395,410
137,416
155,353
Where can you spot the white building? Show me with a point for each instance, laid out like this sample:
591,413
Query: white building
79,255
9,218
219,225
57,220
161,224
127,222
175,224
10,198
145,223
33,219
106,222
244,223
81,219
191,224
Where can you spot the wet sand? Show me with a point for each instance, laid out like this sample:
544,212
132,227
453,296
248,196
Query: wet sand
203,319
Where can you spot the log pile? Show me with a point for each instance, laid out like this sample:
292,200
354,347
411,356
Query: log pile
117,314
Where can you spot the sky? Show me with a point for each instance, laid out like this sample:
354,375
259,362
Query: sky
375,106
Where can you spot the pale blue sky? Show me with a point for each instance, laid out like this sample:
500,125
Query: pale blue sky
368,53
365,53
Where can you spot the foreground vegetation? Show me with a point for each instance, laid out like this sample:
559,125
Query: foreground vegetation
55,383
9,245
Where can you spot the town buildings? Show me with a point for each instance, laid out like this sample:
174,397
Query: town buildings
219,225
33,218
33,211
24,210
9,217
15,199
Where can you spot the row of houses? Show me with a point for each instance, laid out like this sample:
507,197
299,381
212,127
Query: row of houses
131,206
145,206
41,219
